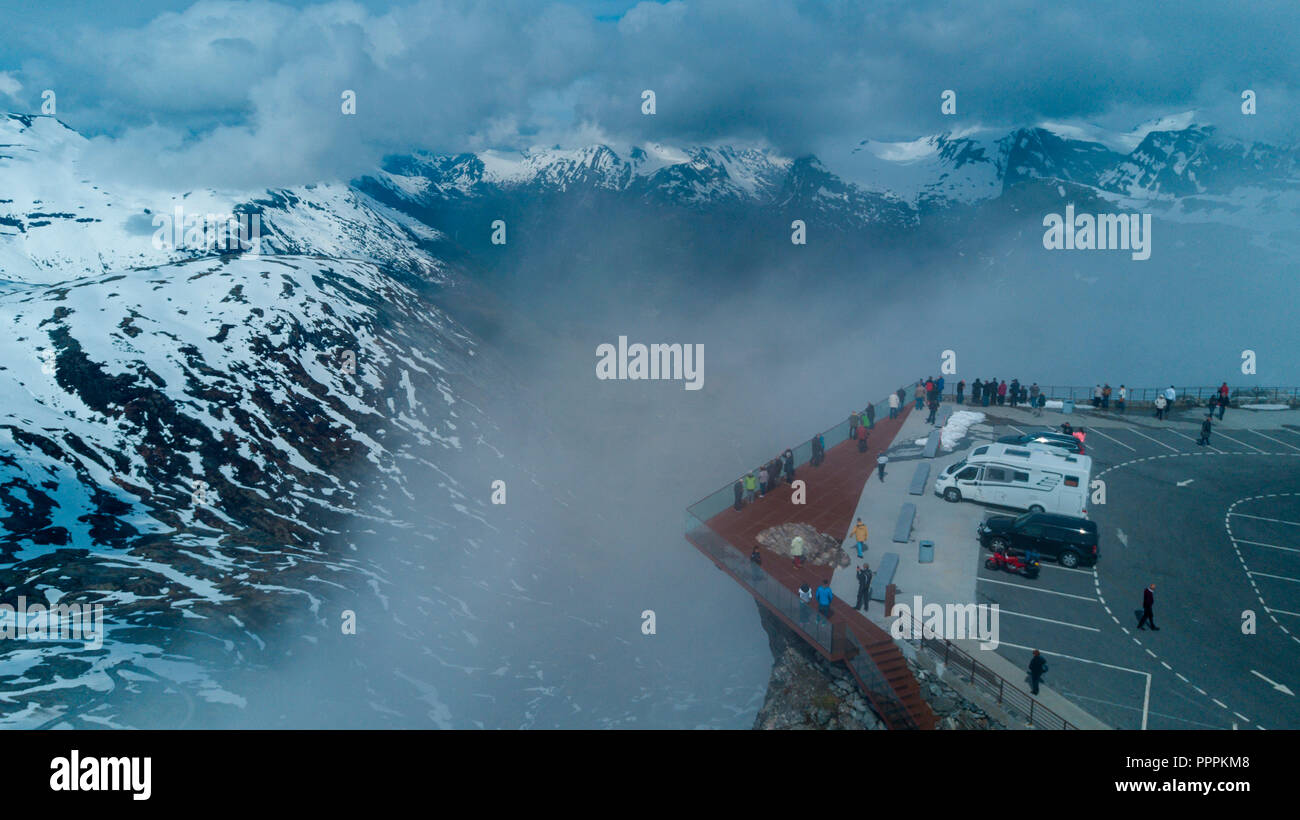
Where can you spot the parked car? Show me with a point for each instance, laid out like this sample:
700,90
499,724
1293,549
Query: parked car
1069,444
1069,540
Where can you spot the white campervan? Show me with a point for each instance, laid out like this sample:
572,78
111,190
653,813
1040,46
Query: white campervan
1021,477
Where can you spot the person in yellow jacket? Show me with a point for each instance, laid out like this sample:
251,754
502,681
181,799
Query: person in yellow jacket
860,535
796,550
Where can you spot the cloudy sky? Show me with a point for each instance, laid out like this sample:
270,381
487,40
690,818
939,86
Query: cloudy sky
233,93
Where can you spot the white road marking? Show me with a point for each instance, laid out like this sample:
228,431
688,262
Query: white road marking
1095,431
1279,687
1123,539
1059,568
1270,438
1261,544
1185,483
1262,518
1017,429
1037,589
1146,699
1278,577
1244,444
1156,440
1048,620
1282,611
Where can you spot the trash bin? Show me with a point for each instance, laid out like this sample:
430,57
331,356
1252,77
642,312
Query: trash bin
927,552
1067,406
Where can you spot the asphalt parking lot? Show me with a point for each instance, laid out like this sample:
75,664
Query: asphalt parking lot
1217,530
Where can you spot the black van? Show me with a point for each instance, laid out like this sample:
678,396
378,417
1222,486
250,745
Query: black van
1071,541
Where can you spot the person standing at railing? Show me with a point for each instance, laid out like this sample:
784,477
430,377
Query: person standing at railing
938,390
818,450
870,413
805,601
824,598
894,404
751,484
1171,397
1123,398
1002,393
762,482
961,388
854,421
920,393
789,466
739,489
862,438
1037,668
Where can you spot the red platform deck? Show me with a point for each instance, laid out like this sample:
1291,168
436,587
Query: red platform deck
833,492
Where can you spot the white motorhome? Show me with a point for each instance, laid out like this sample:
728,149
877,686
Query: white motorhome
1024,478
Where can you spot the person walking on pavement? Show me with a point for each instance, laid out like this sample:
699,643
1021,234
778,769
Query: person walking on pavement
864,587
756,562
870,413
739,489
1205,430
824,598
1123,398
860,536
751,484
1171,398
854,421
934,408
862,439
1037,667
961,388
894,403
796,550
1148,601
880,466
1223,399
1161,404
805,601
902,398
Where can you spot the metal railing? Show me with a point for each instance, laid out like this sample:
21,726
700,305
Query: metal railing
1146,395
1011,698
717,501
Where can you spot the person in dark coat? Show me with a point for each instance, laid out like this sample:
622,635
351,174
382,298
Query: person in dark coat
756,561
902,398
934,408
1148,601
789,467
1015,392
976,391
1205,430
864,587
739,489
1223,405
1037,667
871,414
817,450
961,388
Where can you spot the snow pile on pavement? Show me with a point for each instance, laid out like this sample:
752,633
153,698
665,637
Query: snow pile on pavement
958,424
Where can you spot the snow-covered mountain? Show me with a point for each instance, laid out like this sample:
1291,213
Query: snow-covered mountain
58,224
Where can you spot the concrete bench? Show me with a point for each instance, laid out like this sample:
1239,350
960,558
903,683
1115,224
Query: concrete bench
919,479
932,443
903,529
884,575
